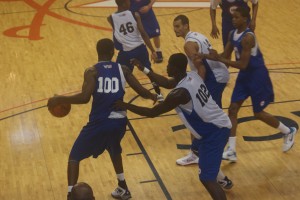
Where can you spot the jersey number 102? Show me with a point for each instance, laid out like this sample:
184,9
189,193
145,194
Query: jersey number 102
203,95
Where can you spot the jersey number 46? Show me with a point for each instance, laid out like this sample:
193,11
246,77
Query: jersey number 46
126,28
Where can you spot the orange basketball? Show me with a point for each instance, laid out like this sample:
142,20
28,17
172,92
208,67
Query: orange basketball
60,110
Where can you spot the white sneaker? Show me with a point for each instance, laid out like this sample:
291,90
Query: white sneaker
289,139
120,193
230,155
189,159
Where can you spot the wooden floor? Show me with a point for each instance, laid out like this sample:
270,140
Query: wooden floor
45,47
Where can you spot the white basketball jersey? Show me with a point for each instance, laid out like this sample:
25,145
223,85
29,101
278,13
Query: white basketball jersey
219,69
201,115
126,31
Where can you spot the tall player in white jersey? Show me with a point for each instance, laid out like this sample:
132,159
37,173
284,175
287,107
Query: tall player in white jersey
129,37
215,74
200,114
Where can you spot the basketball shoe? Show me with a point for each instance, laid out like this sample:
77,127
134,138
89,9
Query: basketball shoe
225,183
120,193
189,159
289,139
229,154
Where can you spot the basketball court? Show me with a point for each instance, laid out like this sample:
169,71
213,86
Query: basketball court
46,46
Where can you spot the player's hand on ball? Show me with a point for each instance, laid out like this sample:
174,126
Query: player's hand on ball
53,101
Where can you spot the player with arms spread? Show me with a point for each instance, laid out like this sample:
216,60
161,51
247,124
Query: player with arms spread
199,113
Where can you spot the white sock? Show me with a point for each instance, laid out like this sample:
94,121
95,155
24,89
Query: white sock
283,128
232,143
70,188
220,176
158,49
121,177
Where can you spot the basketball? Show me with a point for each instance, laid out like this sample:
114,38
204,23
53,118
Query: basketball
60,110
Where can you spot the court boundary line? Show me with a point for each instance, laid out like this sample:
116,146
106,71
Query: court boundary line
150,164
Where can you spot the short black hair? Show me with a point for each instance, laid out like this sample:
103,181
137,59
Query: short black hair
119,2
105,46
178,60
183,19
244,11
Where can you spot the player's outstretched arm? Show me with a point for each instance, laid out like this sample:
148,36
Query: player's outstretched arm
162,81
247,44
174,99
136,86
83,97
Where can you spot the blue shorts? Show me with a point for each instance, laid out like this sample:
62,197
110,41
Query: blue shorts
139,53
210,150
256,84
150,24
94,138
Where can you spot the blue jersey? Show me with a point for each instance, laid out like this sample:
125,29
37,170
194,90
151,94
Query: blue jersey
256,60
110,88
254,81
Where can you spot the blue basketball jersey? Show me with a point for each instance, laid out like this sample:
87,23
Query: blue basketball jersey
110,88
256,60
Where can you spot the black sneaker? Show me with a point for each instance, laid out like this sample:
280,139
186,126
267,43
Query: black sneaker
226,183
120,193
159,58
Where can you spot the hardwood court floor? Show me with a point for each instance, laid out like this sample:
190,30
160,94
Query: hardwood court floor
45,47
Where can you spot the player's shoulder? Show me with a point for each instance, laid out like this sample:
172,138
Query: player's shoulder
91,69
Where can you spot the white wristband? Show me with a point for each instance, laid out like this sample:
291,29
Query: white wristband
146,71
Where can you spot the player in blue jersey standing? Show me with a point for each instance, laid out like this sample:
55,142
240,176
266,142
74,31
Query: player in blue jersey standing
149,21
200,114
253,81
129,37
105,81
228,6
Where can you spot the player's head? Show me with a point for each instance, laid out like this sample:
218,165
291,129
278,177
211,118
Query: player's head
105,48
181,25
82,191
124,4
177,64
240,17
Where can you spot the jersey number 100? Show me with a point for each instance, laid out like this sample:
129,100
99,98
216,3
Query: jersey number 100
108,85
